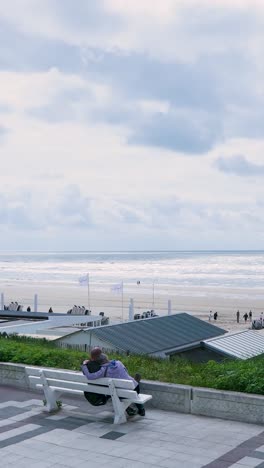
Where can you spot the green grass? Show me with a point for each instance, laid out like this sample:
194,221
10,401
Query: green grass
242,376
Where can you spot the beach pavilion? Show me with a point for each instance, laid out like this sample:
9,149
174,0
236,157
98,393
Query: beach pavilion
177,334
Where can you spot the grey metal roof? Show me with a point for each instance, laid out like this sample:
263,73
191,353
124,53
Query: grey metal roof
157,334
241,345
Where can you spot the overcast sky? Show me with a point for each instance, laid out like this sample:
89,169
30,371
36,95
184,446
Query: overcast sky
131,124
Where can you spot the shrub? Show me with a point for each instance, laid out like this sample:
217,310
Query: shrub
243,376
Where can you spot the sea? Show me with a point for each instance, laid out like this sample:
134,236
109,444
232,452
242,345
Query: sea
235,269
242,271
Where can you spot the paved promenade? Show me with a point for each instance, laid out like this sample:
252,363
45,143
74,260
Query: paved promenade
73,437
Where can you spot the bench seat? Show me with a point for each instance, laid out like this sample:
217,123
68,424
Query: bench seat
56,382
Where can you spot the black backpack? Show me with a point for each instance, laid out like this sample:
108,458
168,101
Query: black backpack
96,399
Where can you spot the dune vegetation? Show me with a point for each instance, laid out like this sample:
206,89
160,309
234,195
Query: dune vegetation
242,376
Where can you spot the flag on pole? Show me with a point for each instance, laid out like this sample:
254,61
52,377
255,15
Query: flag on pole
117,288
84,280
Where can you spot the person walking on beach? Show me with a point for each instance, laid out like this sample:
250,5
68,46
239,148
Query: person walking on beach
237,316
210,316
245,316
261,318
215,315
250,316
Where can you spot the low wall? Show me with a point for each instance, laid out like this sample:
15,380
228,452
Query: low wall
13,374
171,397
228,405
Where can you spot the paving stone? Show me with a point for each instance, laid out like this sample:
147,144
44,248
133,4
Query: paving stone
250,462
112,435
162,439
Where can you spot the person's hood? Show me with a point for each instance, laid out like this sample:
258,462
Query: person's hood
113,364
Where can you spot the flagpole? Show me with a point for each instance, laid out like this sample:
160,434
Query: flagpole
88,290
153,294
122,301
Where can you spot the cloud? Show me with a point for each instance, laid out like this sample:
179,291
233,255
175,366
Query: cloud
192,116
14,212
89,16
72,209
49,176
78,220
63,22
169,30
22,52
240,166
3,132
187,132
116,111
205,104
215,96
26,210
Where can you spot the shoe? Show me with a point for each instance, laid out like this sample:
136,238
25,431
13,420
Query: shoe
141,411
131,411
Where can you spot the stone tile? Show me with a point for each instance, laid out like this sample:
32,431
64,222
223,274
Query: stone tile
250,461
94,429
57,417
238,465
18,431
9,458
66,460
258,454
112,435
21,404
174,463
10,411
41,463
218,464
162,439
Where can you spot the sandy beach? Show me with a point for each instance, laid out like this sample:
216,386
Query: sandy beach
194,300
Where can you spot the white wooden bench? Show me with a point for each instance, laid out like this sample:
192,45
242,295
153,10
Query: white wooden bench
56,382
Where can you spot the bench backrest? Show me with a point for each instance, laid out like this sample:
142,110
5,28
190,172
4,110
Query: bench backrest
77,382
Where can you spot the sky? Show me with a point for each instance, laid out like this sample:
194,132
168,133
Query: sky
131,125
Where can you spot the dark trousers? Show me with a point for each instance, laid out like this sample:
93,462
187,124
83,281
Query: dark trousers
138,405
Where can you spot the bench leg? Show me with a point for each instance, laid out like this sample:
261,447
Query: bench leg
119,407
51,399
120,419
50,395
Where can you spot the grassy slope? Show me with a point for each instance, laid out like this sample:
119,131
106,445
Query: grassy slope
243,376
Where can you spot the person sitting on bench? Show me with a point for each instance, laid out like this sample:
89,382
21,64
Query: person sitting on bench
93,363
115,370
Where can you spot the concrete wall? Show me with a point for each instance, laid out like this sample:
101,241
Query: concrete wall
170,397
228,405
180,398
13,374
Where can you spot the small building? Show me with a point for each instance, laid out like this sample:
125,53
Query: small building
237,345
53,326
157,336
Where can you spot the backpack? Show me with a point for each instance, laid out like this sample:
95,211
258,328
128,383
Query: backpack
96,399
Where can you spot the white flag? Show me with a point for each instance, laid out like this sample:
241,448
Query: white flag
117,288
84,280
